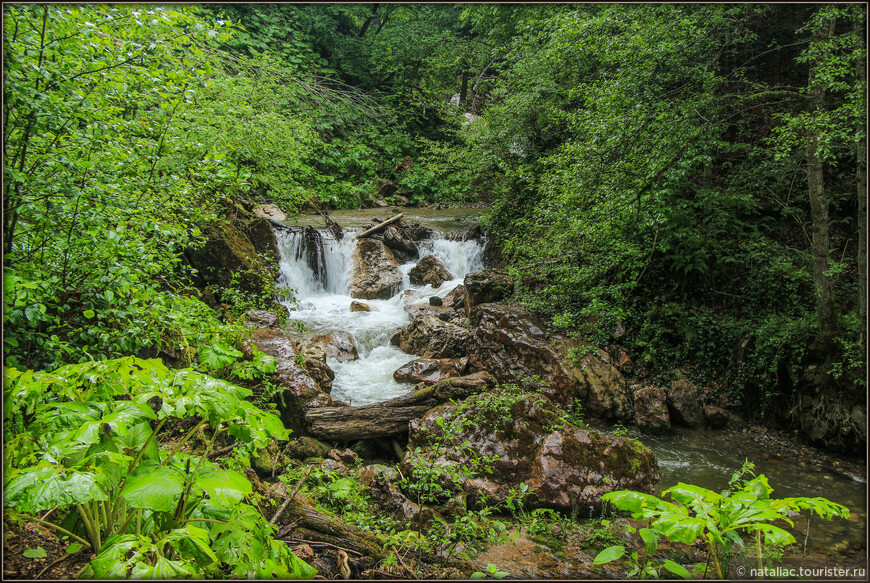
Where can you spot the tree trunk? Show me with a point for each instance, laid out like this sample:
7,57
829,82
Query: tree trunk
819,209
352,423
463,91
380,226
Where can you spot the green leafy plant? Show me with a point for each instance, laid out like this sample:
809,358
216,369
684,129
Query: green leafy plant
89,447
491,571
717,519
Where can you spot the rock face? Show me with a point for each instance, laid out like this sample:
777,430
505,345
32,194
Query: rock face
229,253
485,286
565,467
315,364
428,370
261,319
511,342
300,391
463,387
716,416
429,270
429,337
651,410
403,248
270,211
359,307
380,482
376,274
338,345
684,402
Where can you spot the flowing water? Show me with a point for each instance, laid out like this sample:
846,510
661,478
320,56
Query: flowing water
705,458
324,304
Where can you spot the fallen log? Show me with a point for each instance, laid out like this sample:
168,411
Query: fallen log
380,226
352,423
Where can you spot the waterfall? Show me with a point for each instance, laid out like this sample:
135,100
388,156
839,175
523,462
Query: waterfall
320,268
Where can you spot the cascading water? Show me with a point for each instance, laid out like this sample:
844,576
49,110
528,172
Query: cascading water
321,277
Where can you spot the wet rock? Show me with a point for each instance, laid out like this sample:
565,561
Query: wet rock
299,391
386,189
512,343
486,286
651,410
716,417
684,403
403,248
332,466
452,299
230,260
263,239
315,363
565,467
305,447
400,200
428,370
376,274
338,345
347,456
429,270
270,211
419,310
475,233
381,484
436,301
429,337
621,360
359,307
458,388
262,319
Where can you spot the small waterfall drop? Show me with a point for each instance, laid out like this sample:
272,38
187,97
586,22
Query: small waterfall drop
320,269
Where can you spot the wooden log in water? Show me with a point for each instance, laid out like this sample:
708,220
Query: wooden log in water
380,226
352,423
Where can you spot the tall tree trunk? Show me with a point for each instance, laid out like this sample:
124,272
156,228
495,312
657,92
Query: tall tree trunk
463,91
861,176
819,208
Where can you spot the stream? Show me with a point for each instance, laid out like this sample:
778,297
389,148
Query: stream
704,458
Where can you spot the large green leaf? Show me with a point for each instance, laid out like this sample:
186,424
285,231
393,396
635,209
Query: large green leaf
154,487
48,486
609,554
225,487
216,356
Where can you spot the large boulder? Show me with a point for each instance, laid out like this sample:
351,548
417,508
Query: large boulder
512,343
651,410
299,392
684,402
429,337
270,211
486,286
229,258
315,363
404,249
263,239
565,467
428,370
458,388
376,274
429,270
381,483
338,345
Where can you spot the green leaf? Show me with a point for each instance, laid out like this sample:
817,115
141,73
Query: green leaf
216,356
153,487
676,569
609,554
47,485
73,548
88,314
477,575
37,553
224,486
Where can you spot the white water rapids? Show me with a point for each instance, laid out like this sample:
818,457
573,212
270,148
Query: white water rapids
325,307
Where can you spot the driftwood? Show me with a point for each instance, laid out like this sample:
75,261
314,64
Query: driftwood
318,527
275,223
380,226
352,423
